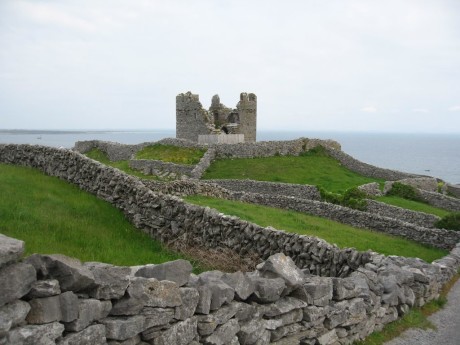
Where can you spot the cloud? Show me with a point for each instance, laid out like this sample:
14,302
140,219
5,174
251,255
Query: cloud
454,108
420,110
369,109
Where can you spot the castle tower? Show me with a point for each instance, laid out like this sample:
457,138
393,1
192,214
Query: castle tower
191,119
247,110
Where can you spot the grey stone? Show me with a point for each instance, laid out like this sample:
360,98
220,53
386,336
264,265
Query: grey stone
268,290
313,313
190,298
147,292
316,290
93,335
239,282
17,280
284,331
36,334
136,340
250,332
208,323
157,316
44,288
220,292
350,287
110,281
284,305
282,266
11,250
177,271
328,338
13,314
44,310
204,301
124,327
89,310
224,334
70,273
181,333
69,306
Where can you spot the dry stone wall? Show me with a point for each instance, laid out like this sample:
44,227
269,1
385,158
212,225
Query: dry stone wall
154,167
270,188
53,299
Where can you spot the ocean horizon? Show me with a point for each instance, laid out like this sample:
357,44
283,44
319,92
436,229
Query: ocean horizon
436,155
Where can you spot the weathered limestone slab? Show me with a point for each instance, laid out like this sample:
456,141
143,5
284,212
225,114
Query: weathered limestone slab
316,290
124,327
181,333
70,273
224,333
62,307
44,288
36,334
240,283
11,250
157,316
13,314
282,266
220,292
177,271
110,281
267,290
17,279
93,335
190,298
89,310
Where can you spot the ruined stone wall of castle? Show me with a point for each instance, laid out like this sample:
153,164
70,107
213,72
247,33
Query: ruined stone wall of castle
247,110
191,119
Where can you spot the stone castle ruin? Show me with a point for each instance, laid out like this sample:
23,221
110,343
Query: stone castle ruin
219,124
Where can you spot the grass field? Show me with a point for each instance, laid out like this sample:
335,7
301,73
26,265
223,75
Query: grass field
170,153
413,205
315,167
331,231
102,157
52,216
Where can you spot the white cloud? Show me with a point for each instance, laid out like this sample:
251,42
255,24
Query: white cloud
420,110
454,108
369,109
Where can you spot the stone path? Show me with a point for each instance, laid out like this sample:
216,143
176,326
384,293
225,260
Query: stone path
447,322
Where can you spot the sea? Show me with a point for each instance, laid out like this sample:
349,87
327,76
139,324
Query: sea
436,155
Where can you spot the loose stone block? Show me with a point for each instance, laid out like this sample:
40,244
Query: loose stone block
69,306
177,271
252,331
17,279
11,250
268,290
44,310
70,273
240,283
124,327
282,266
316,291
93,335
36,334
328,338
204,300
157,316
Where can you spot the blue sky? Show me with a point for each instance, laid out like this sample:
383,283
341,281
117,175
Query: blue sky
335,65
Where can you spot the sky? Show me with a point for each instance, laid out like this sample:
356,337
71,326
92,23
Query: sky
315,65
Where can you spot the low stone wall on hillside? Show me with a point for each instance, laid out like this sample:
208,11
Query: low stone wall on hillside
367,169
417,226
418,218
48,299
270,188
203,164
154,167
453,189
440,200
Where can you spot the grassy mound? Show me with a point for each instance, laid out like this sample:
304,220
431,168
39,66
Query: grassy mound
314,167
